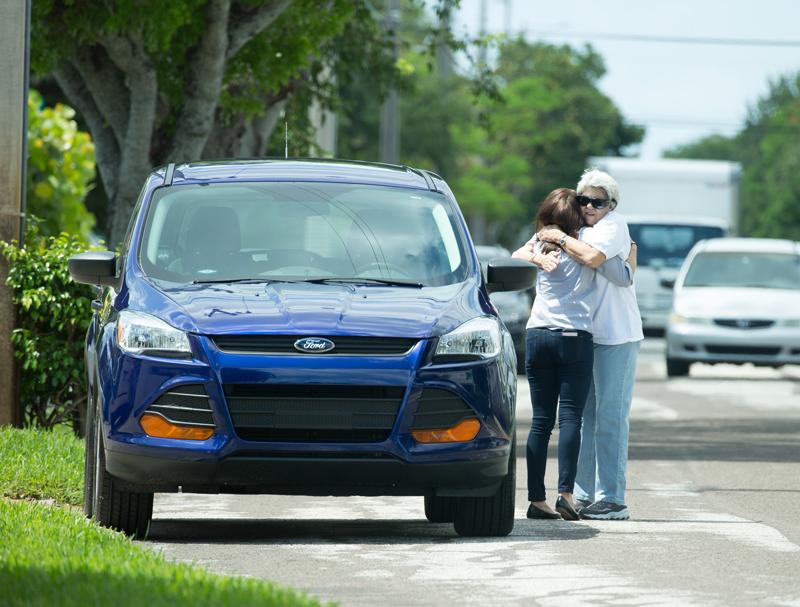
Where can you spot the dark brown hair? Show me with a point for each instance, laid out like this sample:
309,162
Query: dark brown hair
559,208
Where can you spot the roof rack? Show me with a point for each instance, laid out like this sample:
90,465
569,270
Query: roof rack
168,174
426,175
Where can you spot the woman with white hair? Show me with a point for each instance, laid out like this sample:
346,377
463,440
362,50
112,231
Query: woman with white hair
617,335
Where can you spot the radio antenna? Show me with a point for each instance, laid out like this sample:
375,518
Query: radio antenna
286,138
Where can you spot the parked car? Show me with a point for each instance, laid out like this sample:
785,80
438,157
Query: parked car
737,300
305,328
514,307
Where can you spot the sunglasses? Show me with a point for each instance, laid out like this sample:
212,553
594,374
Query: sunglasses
597,203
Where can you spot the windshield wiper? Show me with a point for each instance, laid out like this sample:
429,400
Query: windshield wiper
368,281
232,281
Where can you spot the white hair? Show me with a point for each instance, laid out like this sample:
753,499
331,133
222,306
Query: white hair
595,178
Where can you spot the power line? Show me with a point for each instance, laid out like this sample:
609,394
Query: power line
665,39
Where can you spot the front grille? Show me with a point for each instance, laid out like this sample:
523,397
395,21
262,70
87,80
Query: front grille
313,413
440,409
186,404
743,323
743,350
344,345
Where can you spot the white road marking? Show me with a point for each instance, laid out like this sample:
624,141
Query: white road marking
780,395
644,408
670,490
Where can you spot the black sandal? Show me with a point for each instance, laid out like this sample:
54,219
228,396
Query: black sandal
534,512
567,512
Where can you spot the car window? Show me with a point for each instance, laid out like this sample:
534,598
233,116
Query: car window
743,269
301,230
666,245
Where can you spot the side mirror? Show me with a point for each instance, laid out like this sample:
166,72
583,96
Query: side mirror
509,274
668,283
94,268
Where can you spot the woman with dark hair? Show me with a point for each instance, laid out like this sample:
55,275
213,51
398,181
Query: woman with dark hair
559,352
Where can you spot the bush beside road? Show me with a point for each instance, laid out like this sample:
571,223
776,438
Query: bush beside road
50,554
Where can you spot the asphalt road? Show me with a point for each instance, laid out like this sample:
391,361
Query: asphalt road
713,487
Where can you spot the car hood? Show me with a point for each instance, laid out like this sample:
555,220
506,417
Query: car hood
716,302
303,308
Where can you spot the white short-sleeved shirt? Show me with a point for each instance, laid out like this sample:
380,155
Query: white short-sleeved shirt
564,297
615,319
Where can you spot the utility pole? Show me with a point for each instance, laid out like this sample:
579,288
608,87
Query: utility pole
482,15
14,45
389,139
444,57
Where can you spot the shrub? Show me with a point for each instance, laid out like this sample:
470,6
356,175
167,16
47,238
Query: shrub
53,314
61,167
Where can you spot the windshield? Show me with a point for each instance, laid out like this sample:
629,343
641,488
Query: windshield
284,231
756,270
667,245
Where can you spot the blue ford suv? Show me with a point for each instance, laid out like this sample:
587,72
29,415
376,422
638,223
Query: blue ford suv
299,327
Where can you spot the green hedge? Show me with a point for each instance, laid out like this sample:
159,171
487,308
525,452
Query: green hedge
53,314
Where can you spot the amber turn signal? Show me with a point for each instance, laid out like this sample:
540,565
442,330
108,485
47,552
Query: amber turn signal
160,427
465,430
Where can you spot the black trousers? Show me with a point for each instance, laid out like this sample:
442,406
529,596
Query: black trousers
559,368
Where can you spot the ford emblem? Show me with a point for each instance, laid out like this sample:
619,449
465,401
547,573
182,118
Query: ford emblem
314,345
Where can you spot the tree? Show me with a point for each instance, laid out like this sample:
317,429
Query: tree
769,149
60,169
554,115
191,79
712,147
503,142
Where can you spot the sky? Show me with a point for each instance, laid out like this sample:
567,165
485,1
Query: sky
679,92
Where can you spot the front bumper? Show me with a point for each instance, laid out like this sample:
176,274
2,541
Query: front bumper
770,346
393,465
367,474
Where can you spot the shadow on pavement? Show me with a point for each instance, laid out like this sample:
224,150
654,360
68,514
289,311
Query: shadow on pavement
732,440
299,532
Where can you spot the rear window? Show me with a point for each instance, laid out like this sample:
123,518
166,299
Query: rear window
740,269
667,245
301,230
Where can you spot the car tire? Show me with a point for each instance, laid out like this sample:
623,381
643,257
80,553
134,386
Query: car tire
677,368
439,509
491,516
88,462
126,511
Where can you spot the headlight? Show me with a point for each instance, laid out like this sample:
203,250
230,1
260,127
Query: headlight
677,319
138,332
793,323
476,338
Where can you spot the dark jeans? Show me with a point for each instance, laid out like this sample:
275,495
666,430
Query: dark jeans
559,367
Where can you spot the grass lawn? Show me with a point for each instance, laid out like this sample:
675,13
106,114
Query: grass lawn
41,464
51,555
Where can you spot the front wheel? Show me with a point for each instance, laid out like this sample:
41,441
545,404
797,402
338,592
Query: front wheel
491,516
677,368
129,512
439,509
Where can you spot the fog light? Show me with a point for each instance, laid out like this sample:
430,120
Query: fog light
465,430
160,427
